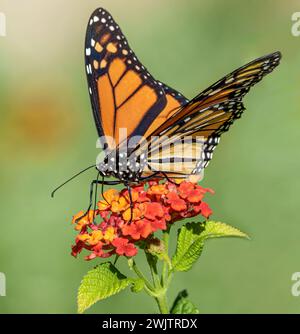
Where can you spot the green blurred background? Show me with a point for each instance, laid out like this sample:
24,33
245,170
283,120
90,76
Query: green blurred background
47,134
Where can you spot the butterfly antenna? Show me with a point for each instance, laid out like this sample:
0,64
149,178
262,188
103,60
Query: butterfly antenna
70,179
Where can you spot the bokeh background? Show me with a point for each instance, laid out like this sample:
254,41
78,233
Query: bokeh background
47,134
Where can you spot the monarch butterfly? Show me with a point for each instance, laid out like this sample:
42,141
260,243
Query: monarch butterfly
124,95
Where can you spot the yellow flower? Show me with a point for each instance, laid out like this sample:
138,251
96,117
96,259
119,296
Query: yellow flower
96,236
109,196
136,214
120,205
85,220
109,234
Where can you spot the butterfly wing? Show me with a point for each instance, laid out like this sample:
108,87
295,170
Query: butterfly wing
126,100
192,133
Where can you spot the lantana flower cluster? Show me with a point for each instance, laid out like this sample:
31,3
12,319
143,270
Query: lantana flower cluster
125,223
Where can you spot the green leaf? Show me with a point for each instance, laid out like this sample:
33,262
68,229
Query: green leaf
137,285
182,305
99,283
191,239
217,230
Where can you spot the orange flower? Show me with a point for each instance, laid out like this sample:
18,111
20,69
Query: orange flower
134,195
153,210
119,205
138,229
109,234
158,189
195,195
92,239
123,247
132,213
108,197
185,188
124,223
206,211
84,220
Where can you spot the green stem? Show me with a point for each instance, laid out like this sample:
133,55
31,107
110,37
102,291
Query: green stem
162,303
148,287
160,296
152,261
160,283
167,262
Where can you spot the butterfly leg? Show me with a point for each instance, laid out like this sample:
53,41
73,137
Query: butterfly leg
95,182
167,177
96,191
131,202
102,190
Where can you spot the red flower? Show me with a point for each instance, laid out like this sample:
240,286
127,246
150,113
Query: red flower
185,188
158,224
137,230
153,210
154,205
123,247
195,195
205,210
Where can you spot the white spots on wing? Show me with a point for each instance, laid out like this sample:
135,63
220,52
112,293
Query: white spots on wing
89,69
118,37
90,90
229,80
129,61
137,67
96,19
91,22
215,92
93,42
88,51
111,28
103,20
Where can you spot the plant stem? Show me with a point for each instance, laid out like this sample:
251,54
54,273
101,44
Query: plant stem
162,303
152,261
148,286
167,262
161,283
